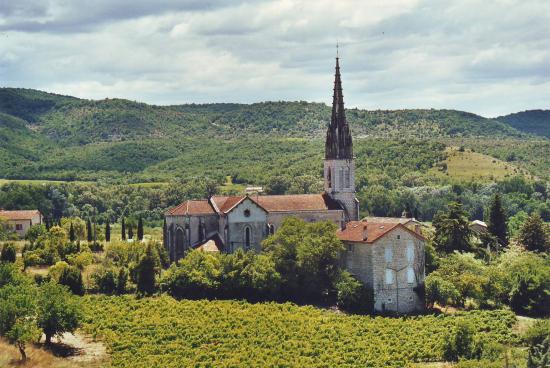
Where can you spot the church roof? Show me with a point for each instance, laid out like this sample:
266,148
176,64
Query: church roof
270,203
192,207
296,202
212,244
385,220
369,232
338,144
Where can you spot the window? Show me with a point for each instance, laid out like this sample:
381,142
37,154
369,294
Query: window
329,178
247,213
411,298
389,301
389,276
247,237
201,232
18,226
388,254
347,177
350,248
341,178
410,275
398,237
410,252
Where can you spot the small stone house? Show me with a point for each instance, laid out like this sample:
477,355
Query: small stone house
21,221
388,257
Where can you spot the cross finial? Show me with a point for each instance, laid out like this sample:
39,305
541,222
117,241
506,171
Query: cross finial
336,48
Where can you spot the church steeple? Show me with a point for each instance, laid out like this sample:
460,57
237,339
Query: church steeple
338,144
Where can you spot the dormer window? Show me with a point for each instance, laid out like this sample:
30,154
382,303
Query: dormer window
247,213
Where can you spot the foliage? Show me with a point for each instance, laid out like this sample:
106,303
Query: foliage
72,278
107,231
352,295
497,220
140,229
440,291
306,255
105,280
35,232
18,314
460,343
538,339
534,235
8,253
452,230
146,270
58,310
228,333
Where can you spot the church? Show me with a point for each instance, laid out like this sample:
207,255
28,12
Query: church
386,254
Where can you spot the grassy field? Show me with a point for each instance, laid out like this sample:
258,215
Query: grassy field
163,332
40,182
468,165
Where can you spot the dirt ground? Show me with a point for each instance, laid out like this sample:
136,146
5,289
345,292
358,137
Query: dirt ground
70,351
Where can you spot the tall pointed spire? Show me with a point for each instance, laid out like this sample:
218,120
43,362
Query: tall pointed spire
338,144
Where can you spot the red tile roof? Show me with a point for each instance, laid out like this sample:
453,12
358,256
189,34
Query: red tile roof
369,232
187,208
296,202
226,204
270,203
19,215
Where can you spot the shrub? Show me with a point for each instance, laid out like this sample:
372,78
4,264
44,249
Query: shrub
105,280
72,278
460,342
122,280
8,253
352,295
145,272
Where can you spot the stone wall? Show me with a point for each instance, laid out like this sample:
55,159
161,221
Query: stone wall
368,262
246,214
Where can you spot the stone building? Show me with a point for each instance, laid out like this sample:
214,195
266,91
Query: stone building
227,223
22,220
388,257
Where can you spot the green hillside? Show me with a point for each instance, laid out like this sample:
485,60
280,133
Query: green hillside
48,136
532,121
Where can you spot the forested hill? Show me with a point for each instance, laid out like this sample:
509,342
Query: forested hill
532,121
73,121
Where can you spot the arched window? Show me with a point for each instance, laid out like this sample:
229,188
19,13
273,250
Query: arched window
180,242
341,184
329,178
271,229
201,231
347,177
247,237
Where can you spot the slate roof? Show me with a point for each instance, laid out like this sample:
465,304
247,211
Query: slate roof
19,215
355,231
192,207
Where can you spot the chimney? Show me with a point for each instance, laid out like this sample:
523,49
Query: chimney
365,233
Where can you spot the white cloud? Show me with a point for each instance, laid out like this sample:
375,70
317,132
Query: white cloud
488,57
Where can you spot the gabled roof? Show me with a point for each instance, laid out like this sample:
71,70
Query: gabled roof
296,202
19,214
269,203
356,231
192,207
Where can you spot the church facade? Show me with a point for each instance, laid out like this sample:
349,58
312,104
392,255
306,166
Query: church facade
227,223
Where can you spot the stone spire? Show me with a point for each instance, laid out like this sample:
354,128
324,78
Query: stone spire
338,144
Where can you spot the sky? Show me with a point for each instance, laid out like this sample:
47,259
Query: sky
484,56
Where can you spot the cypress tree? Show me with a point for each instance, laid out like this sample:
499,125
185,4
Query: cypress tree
533,234
497,221
72,235
89,231
130,232
140,229
123,230
146,272
107,231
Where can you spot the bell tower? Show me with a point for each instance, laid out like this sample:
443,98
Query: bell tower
339,166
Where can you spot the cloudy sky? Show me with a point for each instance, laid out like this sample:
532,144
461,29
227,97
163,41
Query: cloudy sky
484,56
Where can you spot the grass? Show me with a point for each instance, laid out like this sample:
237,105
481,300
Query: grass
230,188
39,182
466,165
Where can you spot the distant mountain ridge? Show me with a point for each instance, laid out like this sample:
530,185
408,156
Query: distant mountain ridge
44,135
531,121
76,121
